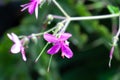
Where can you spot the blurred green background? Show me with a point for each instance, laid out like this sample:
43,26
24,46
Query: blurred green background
90,42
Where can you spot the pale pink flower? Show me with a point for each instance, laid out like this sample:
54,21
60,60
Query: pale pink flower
17,46
32,6
59,43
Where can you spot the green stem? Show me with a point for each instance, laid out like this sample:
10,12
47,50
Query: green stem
45,31
41,52
116,37
65,27
38,34
94,17
48,69
118,33
61,9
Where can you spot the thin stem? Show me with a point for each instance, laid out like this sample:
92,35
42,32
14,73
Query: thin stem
65,27
58,17
61,9
114,25
45,31
38,34
94,17
118,33
116,37
41,52
48,69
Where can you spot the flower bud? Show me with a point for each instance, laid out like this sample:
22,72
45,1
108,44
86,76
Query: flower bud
49,18
60,25
25,41
34,38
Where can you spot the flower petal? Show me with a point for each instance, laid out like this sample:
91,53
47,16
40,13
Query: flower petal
15,48
66,51
32,7
9,36
50,38
36,10
54,49
15,38
23,53
25,6
65,36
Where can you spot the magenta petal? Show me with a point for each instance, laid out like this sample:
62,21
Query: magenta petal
50,38
32,7
65,36
54,49
32,0
66,51
23,53
15,48
25,7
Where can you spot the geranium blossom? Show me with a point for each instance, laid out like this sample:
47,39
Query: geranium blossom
17,46
32,6
59,43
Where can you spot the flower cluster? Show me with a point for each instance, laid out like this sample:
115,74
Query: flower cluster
59,38
58,43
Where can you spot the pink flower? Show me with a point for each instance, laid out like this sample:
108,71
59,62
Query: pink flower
17,46
32,6
59,43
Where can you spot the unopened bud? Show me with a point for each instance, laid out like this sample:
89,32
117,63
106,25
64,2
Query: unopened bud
60,25
25,41
34,38
49,18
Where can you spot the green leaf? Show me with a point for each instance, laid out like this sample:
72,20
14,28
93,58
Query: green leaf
113,9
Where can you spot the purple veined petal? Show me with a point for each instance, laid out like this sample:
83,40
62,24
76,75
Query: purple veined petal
66,51
23,53
54,49
50,38
65,36
32,7
15,48
36,11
